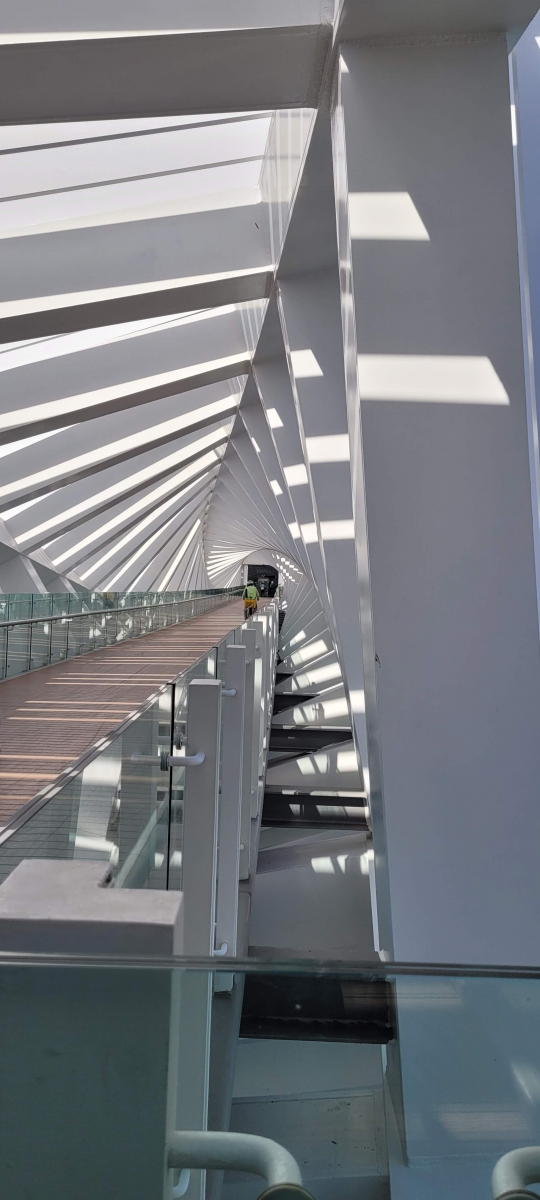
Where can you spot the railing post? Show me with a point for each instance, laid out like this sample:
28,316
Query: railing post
258,713
230,805
30,646
199,862
199,844
249,641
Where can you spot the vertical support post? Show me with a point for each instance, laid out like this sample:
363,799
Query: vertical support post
256,740
249,641
230,807
199,862
170,813
199,853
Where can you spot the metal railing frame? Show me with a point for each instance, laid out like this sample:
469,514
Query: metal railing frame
170,609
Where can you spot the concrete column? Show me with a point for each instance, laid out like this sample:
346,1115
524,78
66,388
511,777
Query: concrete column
430,289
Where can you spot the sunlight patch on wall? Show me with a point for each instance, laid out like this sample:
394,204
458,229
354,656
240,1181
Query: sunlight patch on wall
385,216
430,378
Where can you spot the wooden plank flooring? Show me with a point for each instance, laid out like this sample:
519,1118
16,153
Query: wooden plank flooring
50,717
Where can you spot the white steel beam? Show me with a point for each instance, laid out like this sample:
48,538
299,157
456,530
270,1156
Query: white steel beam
102,78
230,805
88,406
48,316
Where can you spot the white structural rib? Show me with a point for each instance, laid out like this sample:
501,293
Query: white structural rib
128,518
120,451
40,484
47,316
40,418
95,78
100,502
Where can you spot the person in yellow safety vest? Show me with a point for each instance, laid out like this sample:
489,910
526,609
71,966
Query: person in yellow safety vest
251,596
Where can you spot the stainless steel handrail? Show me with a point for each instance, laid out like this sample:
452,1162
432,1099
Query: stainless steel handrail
84,632
99,612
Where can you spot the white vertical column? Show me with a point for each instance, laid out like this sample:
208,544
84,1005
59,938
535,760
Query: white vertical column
429,265
249,641
257,717
263,646
230,803
200,826
199,866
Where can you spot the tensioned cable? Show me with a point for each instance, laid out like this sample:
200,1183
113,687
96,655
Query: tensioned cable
113,137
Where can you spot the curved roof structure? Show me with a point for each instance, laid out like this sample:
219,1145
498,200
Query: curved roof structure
137,254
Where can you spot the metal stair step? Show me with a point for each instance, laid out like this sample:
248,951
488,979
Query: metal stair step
298,739
323,1008
284,700
313,812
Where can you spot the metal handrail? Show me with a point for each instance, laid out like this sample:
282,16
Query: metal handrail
237,1152
99,612
85,632
68,604
514,1171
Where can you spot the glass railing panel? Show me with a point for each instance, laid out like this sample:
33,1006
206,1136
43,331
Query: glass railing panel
143,834
110,628
115,811
18,650
4,641
75,636
18,606
50,833
42,606
178,777
320,1062
84,625
59,640
40,644
204,668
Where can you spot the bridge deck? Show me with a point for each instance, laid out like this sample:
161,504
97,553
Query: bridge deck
51,716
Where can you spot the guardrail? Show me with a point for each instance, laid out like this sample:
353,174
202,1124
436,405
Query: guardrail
29,643
19,606
148,796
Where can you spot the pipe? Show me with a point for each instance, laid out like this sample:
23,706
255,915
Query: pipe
234,1152
514,1171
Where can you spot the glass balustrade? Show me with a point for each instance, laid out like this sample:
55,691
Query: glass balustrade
20,606
369,1082
38,640
114,810
124,807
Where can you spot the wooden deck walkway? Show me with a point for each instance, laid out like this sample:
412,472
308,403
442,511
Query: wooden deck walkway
50,717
